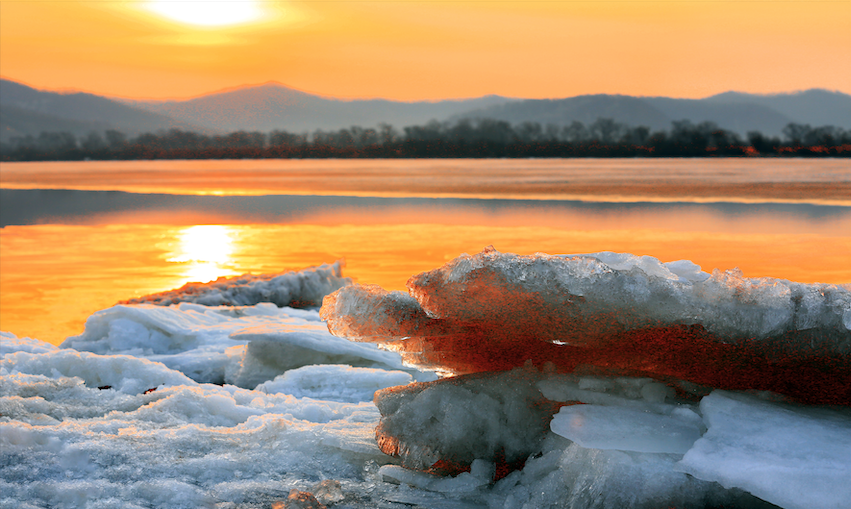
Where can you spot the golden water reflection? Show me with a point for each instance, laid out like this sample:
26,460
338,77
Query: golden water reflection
54,276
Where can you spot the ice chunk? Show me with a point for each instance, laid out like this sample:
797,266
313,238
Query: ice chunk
244,346
570,476
792,456
369,312
187,337
443,426
604,472
304,288
274,349
494,312
328,491
627,414
625,429
583,300
463,482
334,382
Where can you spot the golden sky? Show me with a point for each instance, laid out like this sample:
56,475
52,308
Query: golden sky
413,50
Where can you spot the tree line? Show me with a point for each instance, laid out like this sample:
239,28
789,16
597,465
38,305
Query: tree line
483,138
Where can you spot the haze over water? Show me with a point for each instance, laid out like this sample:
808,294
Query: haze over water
71,245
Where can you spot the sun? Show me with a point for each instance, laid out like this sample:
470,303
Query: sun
207,13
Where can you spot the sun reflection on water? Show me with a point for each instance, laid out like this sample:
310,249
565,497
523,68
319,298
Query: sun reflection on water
206,251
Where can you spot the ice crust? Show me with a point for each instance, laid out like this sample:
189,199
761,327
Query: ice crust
304,288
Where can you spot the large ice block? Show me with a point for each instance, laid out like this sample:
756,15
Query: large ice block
626,314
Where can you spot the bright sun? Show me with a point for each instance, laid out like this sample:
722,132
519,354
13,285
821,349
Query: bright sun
207,13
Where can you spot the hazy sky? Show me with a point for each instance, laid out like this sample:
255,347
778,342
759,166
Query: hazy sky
411,50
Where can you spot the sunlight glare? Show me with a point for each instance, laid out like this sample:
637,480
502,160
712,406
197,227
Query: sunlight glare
207,13
208,250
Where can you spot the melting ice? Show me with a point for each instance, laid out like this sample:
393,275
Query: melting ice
588,381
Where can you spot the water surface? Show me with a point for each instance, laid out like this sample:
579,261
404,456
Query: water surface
69,252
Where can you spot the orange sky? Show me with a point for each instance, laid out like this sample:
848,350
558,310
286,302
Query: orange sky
410,50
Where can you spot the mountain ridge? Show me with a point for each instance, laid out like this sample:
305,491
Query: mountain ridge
274,106
29,111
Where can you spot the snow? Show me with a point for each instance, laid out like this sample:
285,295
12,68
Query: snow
253,405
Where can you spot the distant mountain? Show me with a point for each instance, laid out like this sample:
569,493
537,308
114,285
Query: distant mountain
733,111
25,110
738,117
16,121
585,109
273,106
816,107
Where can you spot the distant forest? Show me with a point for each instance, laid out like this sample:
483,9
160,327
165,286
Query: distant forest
463,139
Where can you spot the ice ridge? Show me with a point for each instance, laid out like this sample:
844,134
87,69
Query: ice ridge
304,288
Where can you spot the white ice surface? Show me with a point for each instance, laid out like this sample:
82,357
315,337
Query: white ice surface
65,443
243,346
795,457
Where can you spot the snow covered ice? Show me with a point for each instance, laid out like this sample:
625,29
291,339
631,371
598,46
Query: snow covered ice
303,288
562,398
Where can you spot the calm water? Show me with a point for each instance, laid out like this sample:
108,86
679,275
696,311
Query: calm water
70,244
